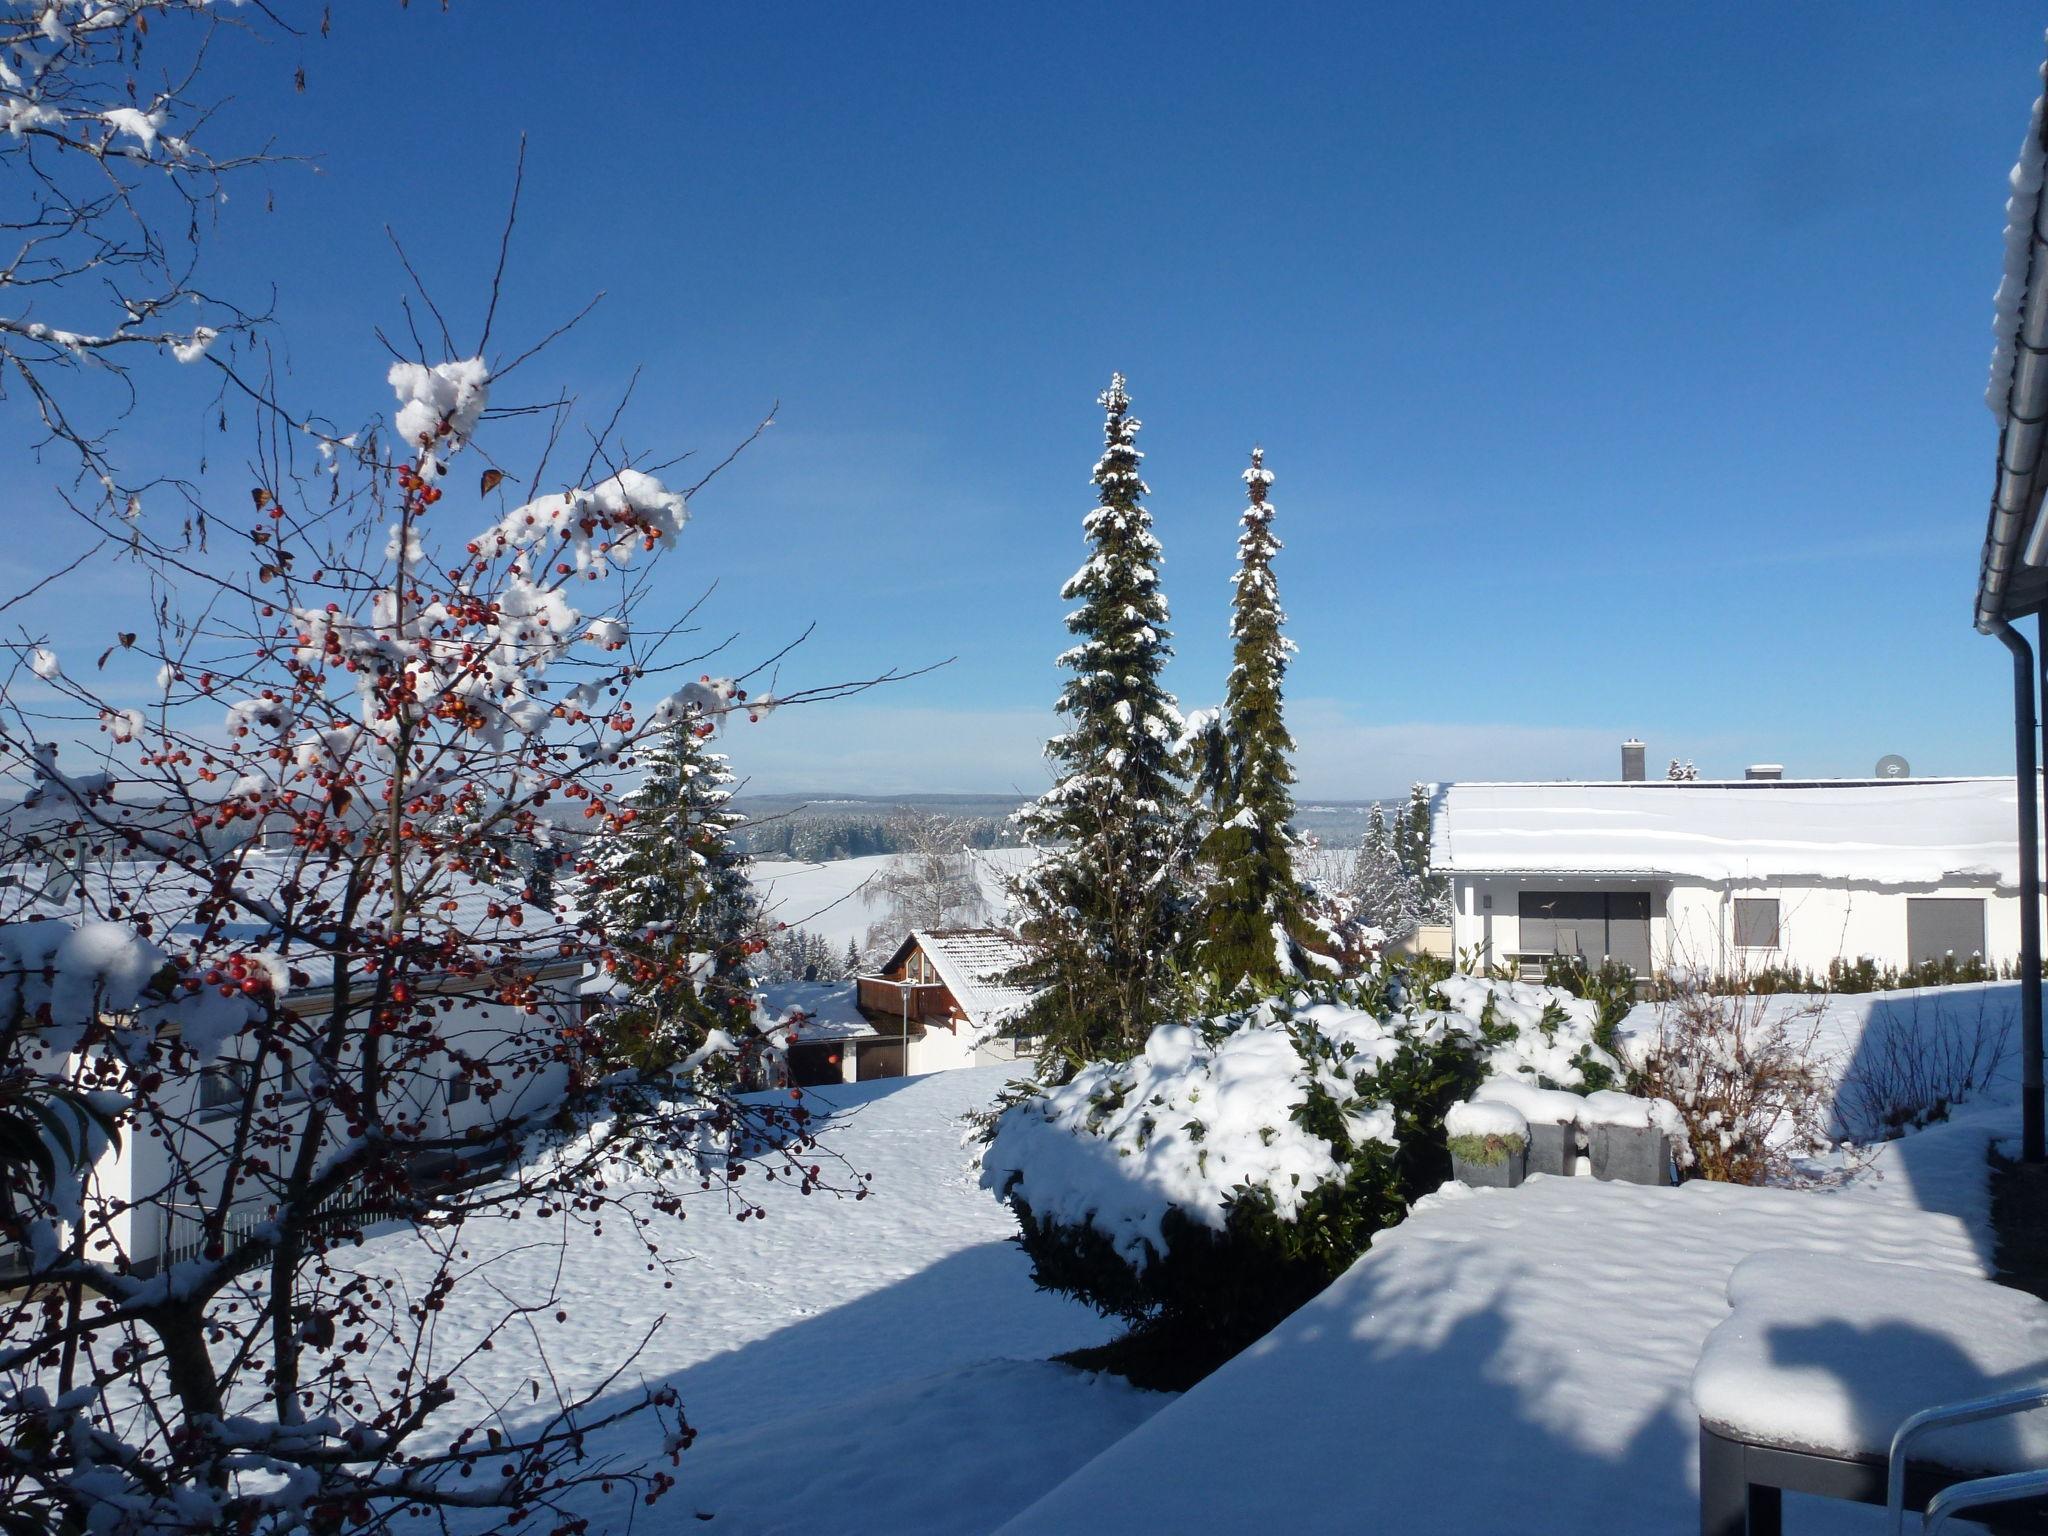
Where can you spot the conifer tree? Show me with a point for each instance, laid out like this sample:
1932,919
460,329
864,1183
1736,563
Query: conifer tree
1386,899
1252,921
669,884
1104,906
1412,834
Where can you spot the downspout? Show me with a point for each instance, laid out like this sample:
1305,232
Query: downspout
2026,771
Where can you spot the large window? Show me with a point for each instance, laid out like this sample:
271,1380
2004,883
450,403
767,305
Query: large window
1593,925
1756,922
1938,926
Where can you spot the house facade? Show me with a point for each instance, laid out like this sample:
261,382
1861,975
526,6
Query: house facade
1731,877
940,1001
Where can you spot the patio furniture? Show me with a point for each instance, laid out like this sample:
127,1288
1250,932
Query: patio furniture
1820,1381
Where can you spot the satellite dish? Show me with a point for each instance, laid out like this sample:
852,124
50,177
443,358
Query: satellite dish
1893,766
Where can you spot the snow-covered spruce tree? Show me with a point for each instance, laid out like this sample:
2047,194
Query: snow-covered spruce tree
1252,925
1430,893
1386,898
669,893
1103,907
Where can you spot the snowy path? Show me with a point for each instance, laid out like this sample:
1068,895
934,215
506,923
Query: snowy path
853,1367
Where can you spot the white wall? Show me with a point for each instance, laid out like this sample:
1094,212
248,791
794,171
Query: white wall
941,1049
141,1173
1691,922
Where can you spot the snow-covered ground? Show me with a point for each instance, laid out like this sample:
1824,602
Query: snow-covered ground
1521,1359
1503,1360
837,899
874,1366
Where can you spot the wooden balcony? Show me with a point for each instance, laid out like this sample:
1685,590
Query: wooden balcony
884,999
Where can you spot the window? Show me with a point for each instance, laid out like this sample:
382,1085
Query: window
1939,926
225,1086
458,1088
1756,922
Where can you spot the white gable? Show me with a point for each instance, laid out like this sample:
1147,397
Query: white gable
1901,832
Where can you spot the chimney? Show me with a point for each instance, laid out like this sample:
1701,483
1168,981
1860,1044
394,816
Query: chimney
1632,762
1764,771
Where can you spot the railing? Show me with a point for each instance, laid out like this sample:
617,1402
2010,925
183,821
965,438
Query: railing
919,999
182,1233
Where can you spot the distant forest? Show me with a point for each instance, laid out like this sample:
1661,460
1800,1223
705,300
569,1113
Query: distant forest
815,837
828,827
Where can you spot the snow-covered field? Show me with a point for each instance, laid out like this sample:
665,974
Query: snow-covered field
837,899
874,1366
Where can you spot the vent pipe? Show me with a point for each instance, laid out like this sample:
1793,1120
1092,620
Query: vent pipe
1632,771
1764,771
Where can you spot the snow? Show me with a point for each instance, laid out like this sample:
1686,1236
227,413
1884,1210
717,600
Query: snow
1538,1106
835,899
860,1367
1608,1107
2008,305
1496,1343
1205,1113
453,393
1484,1117
1501,1342
812,1010
943,1453
972,962
1185,1126
143,127
1829,1355
1899,832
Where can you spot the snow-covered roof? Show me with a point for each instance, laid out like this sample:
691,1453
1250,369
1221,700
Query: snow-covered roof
972,962
813,1010
1888,832
488,921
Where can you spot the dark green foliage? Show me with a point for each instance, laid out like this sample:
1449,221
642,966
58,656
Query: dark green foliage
1218,1291
1487,1151
669,892
1611,989
1863,975
1253,927
1232,1285
1105,908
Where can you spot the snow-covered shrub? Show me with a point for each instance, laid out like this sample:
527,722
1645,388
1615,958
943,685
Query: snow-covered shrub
1917,1059
1744,1073
1234,1167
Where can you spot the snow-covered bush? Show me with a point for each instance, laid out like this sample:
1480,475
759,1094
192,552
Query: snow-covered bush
1233,1168
1918,1058
1744,1074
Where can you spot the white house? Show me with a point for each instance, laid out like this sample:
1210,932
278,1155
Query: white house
1733,876
940,1001
496,1058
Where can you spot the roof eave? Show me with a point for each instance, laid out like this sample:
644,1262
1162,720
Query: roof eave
2011,580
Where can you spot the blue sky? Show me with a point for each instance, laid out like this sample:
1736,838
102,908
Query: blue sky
1621,366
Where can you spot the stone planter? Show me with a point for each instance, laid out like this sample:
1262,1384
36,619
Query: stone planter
1506,1173
1553,1148
1489,1144
1631,1154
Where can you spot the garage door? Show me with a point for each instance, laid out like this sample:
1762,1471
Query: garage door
1594,925
1944,925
